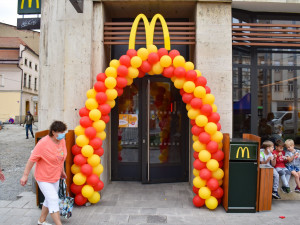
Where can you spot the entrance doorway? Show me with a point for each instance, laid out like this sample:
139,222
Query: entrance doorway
150,133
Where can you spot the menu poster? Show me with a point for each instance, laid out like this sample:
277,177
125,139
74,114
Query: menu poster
133,120
123,120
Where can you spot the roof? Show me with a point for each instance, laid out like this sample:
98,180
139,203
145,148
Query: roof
11,42
10,54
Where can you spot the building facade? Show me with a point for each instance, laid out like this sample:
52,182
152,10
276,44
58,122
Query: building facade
248,80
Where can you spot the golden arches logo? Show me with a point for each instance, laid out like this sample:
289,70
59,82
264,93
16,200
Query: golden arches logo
30,4
149,29
243,152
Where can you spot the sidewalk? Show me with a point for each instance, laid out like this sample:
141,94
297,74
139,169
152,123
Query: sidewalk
132,203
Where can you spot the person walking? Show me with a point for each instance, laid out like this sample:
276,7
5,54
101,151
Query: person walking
49,155
29,121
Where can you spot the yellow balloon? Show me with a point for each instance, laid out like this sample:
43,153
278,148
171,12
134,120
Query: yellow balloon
218,174
198,182
189,66
198,146
87,151
143,53
193,113
195,138
189,86
79,179
129,81
136,61
198,73
101,135
220,182
133,72
179,82
99,125
82,140
110,82
212,165
173,79
111,72
91,104
111,103
111,94
75,169
94,160
210,128
196,172
201,120
91,93
211,202
79,130
208,99
94,198
199,92
165,61
95,114
114,63
98,169
204,156
87,191
179,61
204,192
157,68
220,144
151,48
151,72
214,108
188,107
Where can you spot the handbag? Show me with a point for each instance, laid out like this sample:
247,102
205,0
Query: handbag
65,201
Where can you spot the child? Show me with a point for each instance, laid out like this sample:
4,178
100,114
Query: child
266,157
293,164
283,172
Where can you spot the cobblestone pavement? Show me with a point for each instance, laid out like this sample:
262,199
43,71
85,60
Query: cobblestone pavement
14,152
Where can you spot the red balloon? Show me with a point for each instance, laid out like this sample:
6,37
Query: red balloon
173,53
76,189
101,97
95,143
218,127
161,52
181,91
131,53
197,130
220,164
80,200
86,169
90,132
99,186
218,155
201,81
196,103
122,71
212,147
85,122
76,150
100,86
207,89
119,90
219,201
193,122
99,151
92,180
104,108
214,117
204,137
218,193
141,73
153,58
187,97
199,165
206,110
105,118
205,174
196,190
168,71
198,202
125,60
191,75
84,112
212,184
121,82
179,72
101,77
146,66
195,155
80,160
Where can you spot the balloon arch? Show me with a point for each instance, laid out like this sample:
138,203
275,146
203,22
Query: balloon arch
195,93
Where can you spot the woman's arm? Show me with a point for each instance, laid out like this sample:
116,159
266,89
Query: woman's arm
27,170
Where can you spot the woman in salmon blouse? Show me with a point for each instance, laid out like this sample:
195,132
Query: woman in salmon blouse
49,155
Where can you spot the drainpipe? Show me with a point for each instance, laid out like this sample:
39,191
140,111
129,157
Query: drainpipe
22,72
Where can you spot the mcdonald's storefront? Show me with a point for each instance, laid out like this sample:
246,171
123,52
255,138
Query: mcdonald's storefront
148,138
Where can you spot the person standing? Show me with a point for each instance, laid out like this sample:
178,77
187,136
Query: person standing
2,177
49,155
29,121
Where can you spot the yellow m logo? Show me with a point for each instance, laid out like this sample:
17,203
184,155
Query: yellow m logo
30,4
243,152
149,29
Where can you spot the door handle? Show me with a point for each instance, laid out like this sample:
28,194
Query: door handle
144,141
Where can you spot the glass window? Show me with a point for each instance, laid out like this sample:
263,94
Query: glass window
25,62
30,64
36,67
25,79
35,84
29,81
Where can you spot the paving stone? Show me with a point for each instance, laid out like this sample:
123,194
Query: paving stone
156,219
148,211
4,203
136,219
